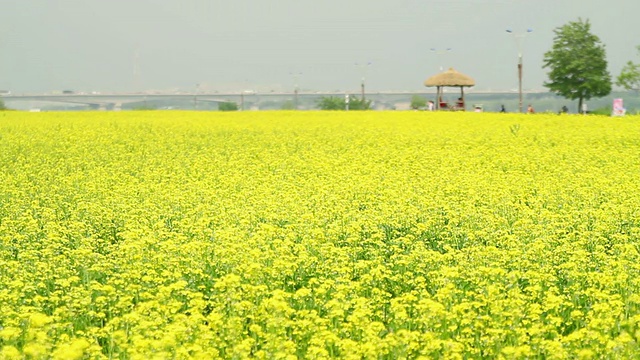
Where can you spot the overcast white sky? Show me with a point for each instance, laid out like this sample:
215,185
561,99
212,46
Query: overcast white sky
233,45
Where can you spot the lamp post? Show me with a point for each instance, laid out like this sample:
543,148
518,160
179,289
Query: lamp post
440,53
195,97
364,73
519,36
242,96
295,89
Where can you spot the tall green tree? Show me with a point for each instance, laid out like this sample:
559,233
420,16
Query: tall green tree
577,63
629,77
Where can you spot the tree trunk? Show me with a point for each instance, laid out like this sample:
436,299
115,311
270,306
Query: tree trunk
580,106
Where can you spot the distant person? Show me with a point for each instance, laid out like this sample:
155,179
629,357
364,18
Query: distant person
530,109
443,104
502,109
431,105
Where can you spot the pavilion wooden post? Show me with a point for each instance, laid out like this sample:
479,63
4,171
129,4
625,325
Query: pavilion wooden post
462,97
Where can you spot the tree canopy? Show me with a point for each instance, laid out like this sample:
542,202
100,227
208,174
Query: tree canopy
288,105
629,77
338,103
418,102
577,63
227,106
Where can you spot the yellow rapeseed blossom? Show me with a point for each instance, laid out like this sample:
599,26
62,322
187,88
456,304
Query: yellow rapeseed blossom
294,235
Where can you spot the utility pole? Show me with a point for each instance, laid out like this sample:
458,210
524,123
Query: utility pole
195,97
295,89
519,38
364,72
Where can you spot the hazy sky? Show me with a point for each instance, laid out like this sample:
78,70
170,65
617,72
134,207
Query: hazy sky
233,45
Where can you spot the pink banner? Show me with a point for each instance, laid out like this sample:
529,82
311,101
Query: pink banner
618,107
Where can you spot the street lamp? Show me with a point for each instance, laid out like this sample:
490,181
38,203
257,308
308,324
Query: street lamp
519,36
295,89
195,97
364,73
440,53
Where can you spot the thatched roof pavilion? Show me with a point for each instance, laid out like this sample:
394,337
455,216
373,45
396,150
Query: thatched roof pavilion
449,78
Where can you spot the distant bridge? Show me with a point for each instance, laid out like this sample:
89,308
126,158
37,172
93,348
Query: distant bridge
116,101
110,101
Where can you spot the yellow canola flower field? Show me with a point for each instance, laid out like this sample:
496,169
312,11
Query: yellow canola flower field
283,235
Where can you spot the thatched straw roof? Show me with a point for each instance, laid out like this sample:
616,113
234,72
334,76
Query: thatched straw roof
450,78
